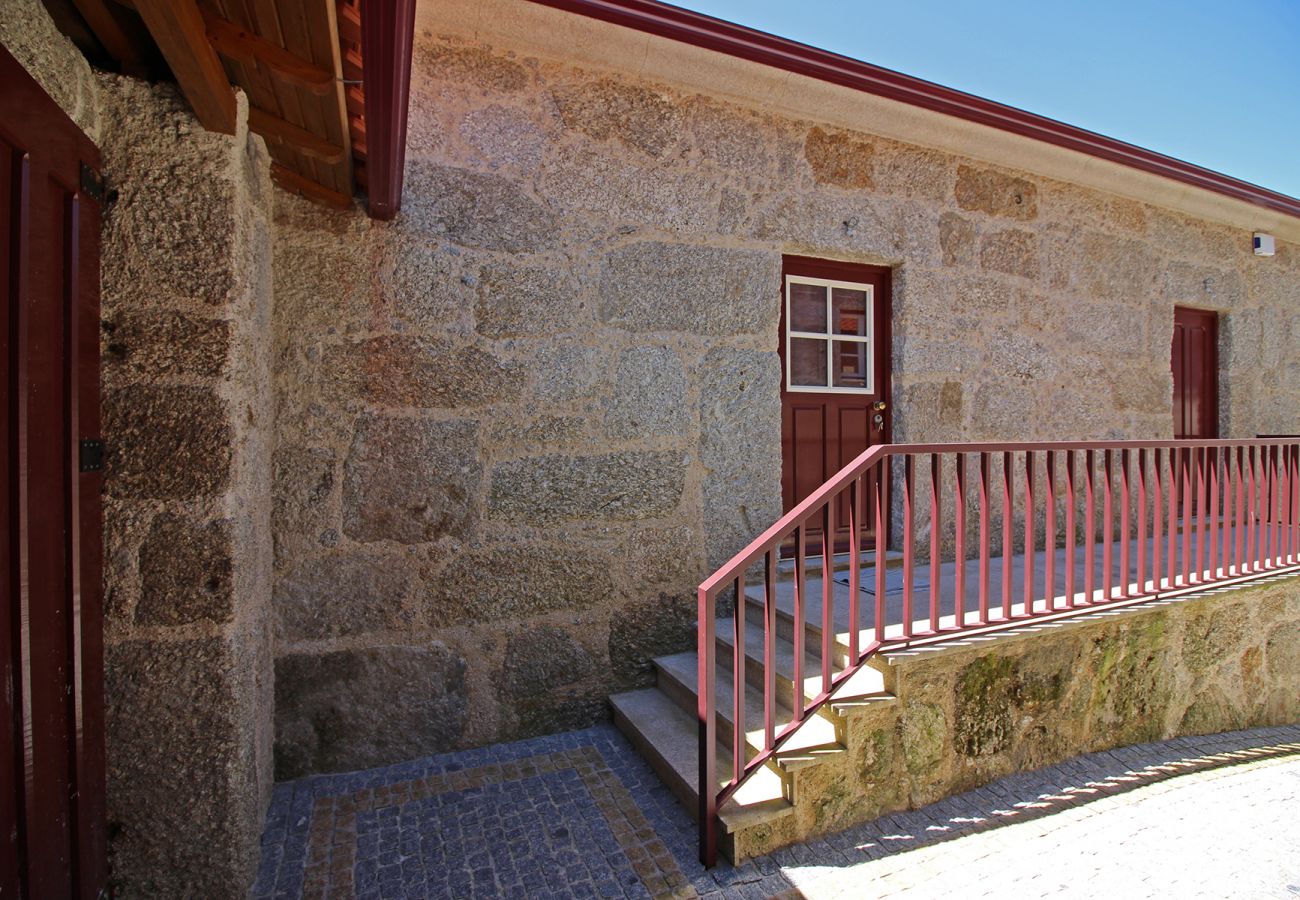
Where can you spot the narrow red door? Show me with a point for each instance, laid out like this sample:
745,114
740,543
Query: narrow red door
835,323
52,820
1195,362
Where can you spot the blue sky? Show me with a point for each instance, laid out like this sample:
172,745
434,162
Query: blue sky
1214,82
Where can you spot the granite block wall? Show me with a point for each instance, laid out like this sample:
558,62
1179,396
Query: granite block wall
520,423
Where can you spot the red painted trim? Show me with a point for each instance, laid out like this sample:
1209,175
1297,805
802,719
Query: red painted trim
387,30
699,30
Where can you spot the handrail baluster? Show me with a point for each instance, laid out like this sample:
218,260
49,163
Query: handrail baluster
1251,489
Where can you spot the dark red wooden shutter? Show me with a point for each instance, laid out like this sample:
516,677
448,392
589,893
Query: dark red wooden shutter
53,842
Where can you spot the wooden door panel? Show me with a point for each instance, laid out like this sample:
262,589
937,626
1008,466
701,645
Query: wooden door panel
54,833
1194,360
807,444
824,429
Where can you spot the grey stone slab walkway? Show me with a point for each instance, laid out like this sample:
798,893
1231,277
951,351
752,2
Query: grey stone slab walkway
581,815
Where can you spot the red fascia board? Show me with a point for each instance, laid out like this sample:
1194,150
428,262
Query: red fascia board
709,33
387,33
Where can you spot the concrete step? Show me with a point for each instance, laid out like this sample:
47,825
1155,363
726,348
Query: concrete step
668,737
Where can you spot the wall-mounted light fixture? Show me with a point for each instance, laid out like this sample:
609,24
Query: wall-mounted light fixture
1264,244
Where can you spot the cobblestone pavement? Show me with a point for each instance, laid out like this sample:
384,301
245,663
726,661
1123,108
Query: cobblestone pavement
581,815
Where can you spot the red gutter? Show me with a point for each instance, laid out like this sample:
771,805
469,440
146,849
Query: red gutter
387,30
749,44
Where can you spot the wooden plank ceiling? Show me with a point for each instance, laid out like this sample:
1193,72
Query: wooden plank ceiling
299,62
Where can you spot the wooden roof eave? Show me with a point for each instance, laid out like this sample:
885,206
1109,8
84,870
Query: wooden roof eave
310,68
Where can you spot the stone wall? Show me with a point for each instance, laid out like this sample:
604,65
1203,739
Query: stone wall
188,421
186,309
520,423
968,715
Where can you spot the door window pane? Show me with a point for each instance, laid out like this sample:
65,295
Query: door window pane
849,311
850,364
808,308
807,362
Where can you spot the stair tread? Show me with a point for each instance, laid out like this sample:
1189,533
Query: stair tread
817,736
812,668
672,735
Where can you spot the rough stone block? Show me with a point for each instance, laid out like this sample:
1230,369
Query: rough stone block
957,239
1117,268
303,482
421,373
175,183
644,629
649,395
614,192
475,66
475,210
615,486
741,140
540,659
996,193
515,301
517,581
427,287
159,343
663,558
410,480
185,572
502,136
740,447
358,708
166,443
652,286
636,115
182,803
340,594
1013,251
910,171
839,159
567,371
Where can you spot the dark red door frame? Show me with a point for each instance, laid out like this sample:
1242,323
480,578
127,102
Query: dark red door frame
52,800
387,33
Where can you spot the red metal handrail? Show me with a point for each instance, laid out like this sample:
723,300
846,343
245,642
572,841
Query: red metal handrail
1236,505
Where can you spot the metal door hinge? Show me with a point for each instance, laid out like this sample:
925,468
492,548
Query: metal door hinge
92,454
92,184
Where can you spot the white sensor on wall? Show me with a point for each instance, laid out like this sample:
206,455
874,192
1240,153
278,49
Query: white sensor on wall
1263,244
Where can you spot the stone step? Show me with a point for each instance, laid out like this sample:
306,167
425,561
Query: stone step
668,737
867,681
677,676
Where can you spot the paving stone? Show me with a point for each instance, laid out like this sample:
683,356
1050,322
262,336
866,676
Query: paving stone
580,814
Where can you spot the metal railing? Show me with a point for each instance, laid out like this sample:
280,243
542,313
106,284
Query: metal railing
1037,530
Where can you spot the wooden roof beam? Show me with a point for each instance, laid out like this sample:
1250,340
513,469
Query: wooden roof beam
300,184
108,28
277,130
239,43
387,32
177,27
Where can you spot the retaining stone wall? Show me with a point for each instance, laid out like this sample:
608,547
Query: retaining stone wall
968,715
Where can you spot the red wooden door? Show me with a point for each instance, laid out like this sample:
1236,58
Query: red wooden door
52,813
1195,362
835,355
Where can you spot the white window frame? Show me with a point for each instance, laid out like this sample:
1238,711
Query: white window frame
829,337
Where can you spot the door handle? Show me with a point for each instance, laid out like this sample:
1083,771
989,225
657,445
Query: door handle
880,406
